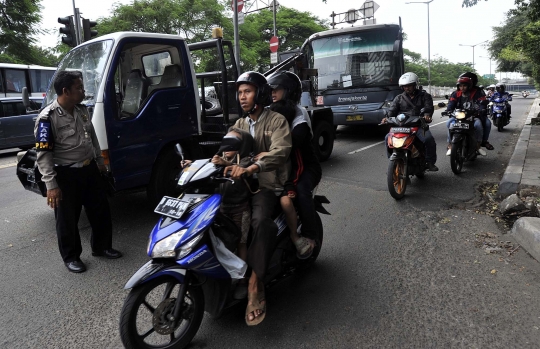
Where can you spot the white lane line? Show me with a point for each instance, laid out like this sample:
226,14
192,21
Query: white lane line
8,165
375,144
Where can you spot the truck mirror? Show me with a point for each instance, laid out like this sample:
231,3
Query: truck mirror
178,149
25,98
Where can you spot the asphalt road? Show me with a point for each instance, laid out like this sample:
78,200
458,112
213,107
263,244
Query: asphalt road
407,274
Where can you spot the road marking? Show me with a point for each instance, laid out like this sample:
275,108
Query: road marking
381,142
8,165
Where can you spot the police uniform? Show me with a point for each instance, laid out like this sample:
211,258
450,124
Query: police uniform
68,155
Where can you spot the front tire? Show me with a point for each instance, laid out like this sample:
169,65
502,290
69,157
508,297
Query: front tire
456,160
501,124
162,181
396,178
154,302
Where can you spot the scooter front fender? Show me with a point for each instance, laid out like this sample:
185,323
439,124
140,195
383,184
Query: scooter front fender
153,269
457,137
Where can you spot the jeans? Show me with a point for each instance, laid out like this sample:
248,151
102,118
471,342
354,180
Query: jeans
426,138
479,132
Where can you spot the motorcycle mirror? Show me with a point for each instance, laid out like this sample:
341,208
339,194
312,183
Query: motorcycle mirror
178,149
467,105
441,105
445,96
422,111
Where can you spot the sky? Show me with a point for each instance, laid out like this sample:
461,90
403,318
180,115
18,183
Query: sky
450,24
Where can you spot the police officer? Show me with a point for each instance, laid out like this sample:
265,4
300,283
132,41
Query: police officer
69,159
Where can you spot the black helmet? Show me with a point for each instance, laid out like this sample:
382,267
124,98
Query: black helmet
258,80
288,81
472,76
500,87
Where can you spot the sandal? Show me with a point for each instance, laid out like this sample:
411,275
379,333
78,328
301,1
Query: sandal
304,248
255,299
487,145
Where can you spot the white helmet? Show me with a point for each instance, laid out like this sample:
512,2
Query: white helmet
408,78
491,86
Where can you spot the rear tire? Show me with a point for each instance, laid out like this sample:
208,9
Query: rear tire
456,160
396,178
323,140
141,301
212,106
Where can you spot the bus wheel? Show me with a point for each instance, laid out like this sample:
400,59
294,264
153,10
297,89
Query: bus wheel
323,140
163,182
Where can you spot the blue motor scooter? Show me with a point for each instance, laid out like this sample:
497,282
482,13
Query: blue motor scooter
183,279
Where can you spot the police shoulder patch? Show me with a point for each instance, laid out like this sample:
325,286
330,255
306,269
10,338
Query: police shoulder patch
44,137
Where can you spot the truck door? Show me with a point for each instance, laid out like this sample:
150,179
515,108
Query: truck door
149,106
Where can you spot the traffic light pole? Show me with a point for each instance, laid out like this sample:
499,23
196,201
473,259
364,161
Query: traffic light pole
77,25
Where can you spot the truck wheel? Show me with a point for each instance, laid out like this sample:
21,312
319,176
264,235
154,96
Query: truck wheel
212,106
163,177
323,140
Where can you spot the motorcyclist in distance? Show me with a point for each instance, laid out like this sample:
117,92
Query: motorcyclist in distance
490,90
410,102
467,92
501,92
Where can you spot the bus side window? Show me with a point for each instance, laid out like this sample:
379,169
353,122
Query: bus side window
15,80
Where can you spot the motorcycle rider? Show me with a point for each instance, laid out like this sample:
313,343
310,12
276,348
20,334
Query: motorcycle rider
307,172
411,101
468,92
501,93
272,136
490,90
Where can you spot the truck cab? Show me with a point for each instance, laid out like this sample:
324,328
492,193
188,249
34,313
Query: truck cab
142,91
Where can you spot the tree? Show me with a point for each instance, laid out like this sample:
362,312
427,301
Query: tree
293,28
191,19
19,21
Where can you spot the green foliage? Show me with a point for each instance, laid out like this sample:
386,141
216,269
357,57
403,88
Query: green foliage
443,72
293,28
191,19
19,21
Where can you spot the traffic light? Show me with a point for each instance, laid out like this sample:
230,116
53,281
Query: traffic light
68,30
87,29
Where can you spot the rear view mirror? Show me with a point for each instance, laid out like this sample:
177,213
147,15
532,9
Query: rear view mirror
445,96
441,105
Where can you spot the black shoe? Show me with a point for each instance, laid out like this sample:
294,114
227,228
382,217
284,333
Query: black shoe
76,266
431,167
109,253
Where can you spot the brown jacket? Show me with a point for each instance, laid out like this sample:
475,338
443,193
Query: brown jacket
272,135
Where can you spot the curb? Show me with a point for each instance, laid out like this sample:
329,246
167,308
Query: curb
526,231
511,179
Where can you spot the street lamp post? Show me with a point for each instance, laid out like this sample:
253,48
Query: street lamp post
483,42
428,40
489,63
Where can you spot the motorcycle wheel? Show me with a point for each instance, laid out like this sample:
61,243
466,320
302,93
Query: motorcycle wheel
456,160
144,321
500,125
397,178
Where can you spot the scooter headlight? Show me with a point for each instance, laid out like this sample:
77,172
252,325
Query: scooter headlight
398,142
401,117
460,115
165,248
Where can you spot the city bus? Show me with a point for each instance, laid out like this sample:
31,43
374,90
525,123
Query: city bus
358,69
13,77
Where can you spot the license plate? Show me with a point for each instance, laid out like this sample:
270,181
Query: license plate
172,207
459,125
400,130
354,118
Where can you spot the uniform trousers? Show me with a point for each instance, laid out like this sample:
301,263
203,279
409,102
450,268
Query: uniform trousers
82,187
264,234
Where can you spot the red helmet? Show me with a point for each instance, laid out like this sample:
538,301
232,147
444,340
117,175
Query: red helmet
464,80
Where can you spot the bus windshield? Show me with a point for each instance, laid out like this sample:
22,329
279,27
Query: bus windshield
90,60
356,59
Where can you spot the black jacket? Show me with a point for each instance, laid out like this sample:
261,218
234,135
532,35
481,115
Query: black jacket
421,99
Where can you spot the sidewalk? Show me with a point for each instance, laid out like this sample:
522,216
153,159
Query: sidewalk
523,171
524,167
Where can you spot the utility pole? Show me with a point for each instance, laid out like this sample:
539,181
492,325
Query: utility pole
236,37
428,40
77,24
